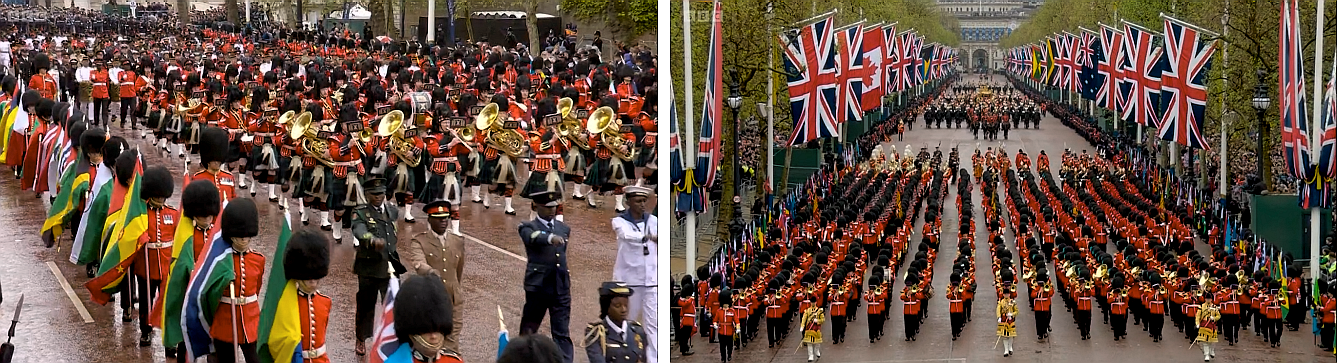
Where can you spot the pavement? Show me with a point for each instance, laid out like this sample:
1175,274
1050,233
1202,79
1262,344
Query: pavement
978,341
54,328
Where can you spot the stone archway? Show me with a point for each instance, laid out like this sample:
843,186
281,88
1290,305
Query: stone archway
982,59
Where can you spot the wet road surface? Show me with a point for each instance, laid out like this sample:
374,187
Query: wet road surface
53,330
934,342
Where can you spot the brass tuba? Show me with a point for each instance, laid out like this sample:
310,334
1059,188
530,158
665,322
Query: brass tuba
604,122
287,117
570,127
304,133
393,127
510,142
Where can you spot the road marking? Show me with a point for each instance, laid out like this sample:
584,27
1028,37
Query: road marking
495,248
78,304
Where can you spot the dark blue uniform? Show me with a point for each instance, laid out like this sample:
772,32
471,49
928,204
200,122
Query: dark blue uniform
547,281
603,344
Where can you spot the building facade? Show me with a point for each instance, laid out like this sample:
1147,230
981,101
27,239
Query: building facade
983,23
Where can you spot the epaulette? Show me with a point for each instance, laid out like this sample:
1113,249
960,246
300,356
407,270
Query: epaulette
595,333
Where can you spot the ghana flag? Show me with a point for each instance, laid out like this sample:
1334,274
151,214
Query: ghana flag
280,334
130,223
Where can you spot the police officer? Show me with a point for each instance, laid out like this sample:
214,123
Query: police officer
614,338
374,227
547,278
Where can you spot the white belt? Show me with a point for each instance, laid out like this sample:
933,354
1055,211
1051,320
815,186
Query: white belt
314,353
347,163
238,301
449,159
695,315
158,245
264,134
548,156
99,84
127,83
651,133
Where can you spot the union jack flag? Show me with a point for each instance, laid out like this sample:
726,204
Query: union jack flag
908,46
873,54
1291,92
1015,61
813,71
713,107
1143,64
1108,68
1188,60
892,59
1070,43
850,41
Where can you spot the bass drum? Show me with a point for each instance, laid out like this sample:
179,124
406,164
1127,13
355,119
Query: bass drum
422,104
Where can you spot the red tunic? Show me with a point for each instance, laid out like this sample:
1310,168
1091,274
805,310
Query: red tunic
101,81
129,83
156,254
249,269
222,180
44,84
315,312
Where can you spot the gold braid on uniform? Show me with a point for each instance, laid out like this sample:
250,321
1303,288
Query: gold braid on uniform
595,333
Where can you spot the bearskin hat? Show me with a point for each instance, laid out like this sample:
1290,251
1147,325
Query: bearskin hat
422,307
125,164
40,61
92,140
157,183
308,255
76,131
317,112
45,108
8,83
235,94
213,145
502,103
200,199
60,112
348,112
240,219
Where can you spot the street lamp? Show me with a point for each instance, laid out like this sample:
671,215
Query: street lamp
1261,103
734,101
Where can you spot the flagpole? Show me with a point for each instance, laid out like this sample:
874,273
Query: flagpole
689,142
1222,144
1317,112
771,103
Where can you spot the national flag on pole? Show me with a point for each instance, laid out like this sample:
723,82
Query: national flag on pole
1071,65
207,286
688,197
1291,93
1328,144
891,59
74,183
15,124
708,141
1054,69
850,46
1109,70
905,61
1090,55
1183,91
280,334
1040,62
1143,66
124,242
385,345
874,55
813,69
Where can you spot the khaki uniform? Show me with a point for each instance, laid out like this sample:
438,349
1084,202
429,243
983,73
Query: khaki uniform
428,252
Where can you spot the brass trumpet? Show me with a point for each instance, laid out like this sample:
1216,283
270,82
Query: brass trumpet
570,127
393,127
304,132
604,122
510,142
